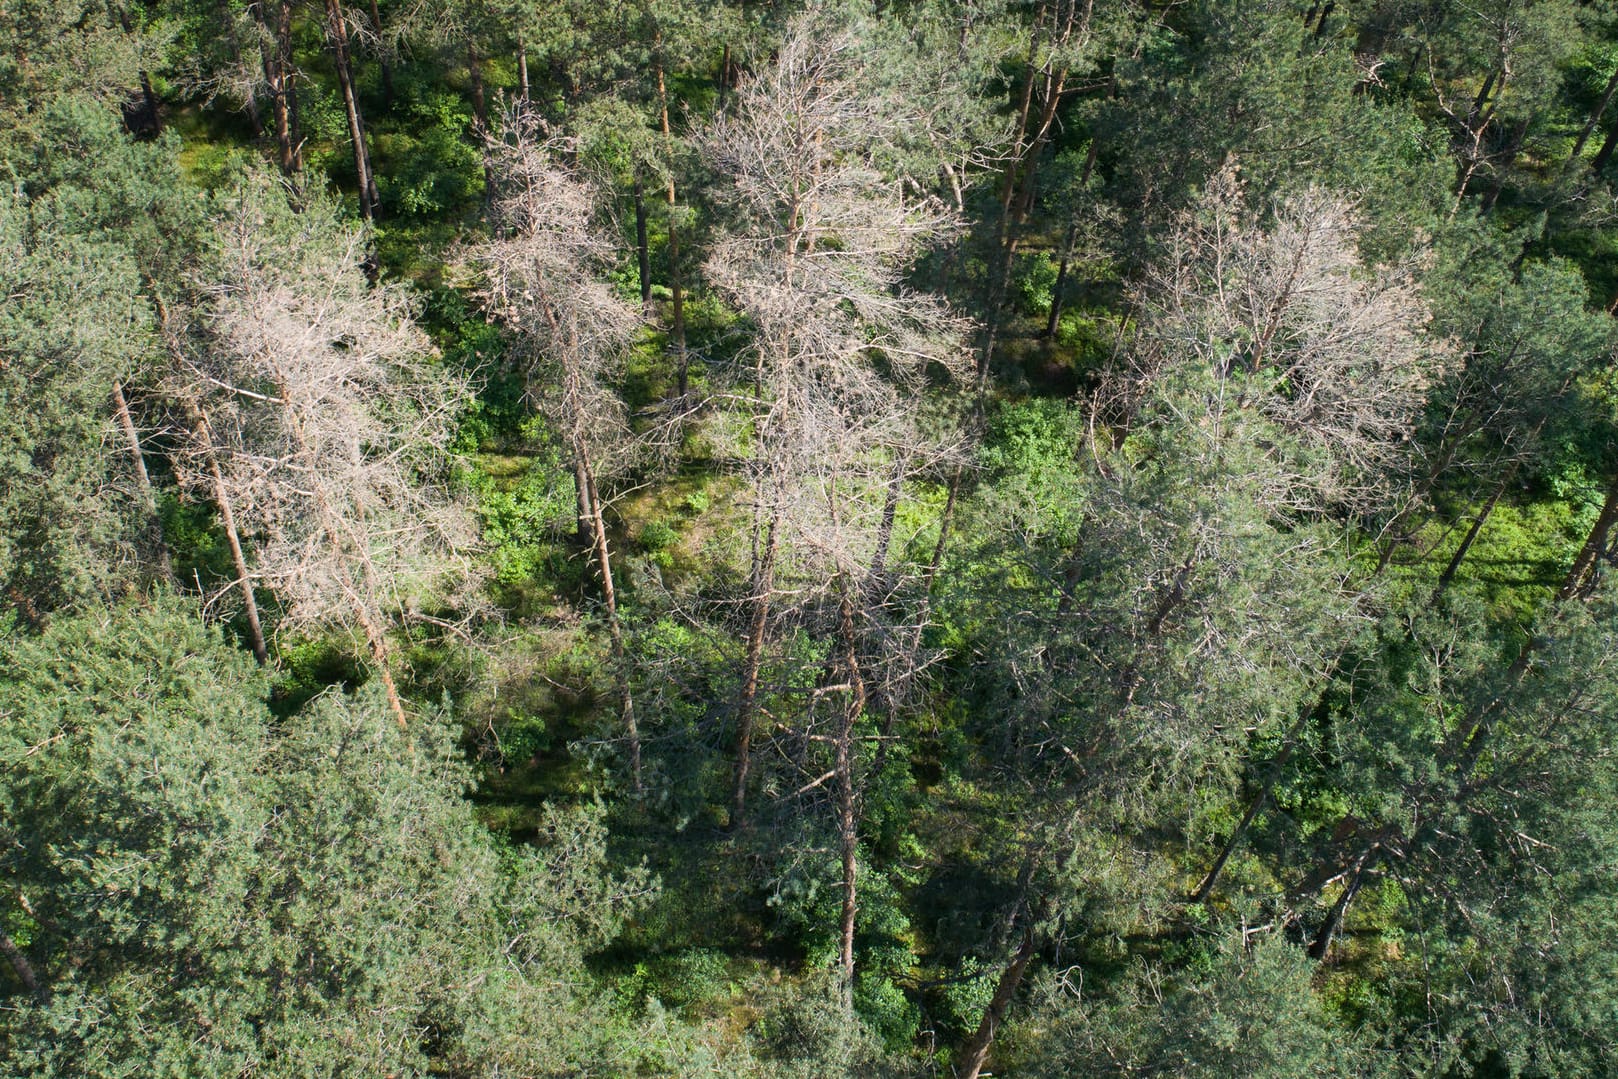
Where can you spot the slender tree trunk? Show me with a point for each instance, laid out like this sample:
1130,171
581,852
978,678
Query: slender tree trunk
643,256
349,548
228,19
615,629
763,582
1289,743
1595,118
20,964
382,64
890,513
269,57
337,37
1320,947
278,76
203,433
1513,148
1482,516
1581,575
522,71
682,358
848,834
969,1061
143,480
1058,289
1604,155
724,77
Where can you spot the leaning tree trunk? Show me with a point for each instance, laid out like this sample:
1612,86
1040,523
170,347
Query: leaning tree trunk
143,479
974,1054
203,434
615,629
337,37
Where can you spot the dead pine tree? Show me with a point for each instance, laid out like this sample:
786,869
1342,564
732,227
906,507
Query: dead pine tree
542,281
817,239
324,427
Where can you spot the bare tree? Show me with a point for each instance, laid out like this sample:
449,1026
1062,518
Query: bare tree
325,425
542,279
818,242
1293,325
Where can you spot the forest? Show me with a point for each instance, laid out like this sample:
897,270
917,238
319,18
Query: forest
808,538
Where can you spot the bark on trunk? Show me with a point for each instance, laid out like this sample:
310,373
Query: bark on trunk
682,358
337,38
848,834
227,517
382,64
277,62
763,581
643,256
1595,119
1581,575
615,629
975,1053
20,964
126,424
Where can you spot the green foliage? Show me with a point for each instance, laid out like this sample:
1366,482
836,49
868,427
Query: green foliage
425,164
298,895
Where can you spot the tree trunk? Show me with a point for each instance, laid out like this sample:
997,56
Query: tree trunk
1061,281
682,357
1595,118
337,38
1289,743
1320,947
143,480
1513,148
1472,533
975,1053
20,964
848,834
643,257
227,17
227,517
615,629
278,77
382,63
1581,575
1604,155
522,71
763,580
348,548
724,77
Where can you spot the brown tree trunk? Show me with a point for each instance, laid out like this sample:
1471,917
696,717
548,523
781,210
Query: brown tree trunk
227,517
337,38
974,1054
615,629
643,256
1472,533
278,76
143,480
1061,282
1320,947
